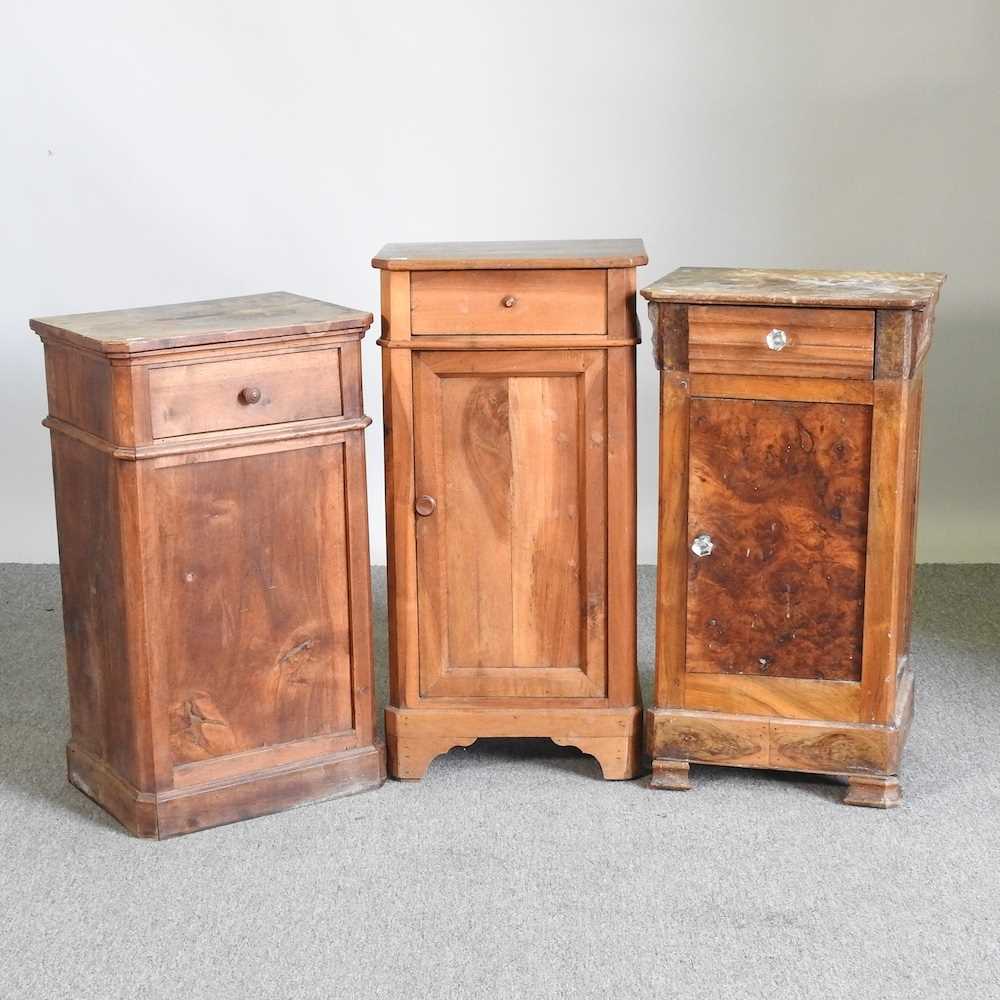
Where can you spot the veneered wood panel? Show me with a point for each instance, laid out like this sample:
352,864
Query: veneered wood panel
782,489
547,552
509,302
511,597
211,396
477,445
251,554
794,389
838,343
784,697
690,737
835,751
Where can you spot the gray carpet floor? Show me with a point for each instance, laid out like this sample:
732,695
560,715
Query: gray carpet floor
512,870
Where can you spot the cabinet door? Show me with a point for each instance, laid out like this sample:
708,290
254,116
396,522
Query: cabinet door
511,463
257,593
777,509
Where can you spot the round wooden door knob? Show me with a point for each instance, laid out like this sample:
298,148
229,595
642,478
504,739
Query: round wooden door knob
250,395
509,302
426,506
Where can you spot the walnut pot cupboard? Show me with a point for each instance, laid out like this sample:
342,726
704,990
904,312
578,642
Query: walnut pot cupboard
209,474
790,406
509,402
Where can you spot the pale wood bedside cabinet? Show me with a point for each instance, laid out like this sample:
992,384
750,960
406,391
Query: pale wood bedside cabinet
509,400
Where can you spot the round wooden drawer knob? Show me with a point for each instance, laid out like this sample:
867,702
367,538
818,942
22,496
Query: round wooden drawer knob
509,302
426,506
250,395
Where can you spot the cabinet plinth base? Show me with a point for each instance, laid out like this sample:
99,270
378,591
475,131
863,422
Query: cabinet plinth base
167,814
415,736
867,755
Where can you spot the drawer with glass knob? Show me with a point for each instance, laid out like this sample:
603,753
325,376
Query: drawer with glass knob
752,340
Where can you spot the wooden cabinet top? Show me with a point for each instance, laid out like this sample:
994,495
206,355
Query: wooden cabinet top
838,289
213,321
521,255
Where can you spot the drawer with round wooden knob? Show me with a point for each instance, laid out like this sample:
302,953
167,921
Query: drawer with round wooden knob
569,301
761,340
196,398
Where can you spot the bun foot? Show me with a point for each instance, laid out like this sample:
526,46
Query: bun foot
672,774
876,792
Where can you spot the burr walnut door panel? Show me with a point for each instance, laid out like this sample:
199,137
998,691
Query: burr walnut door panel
777,509
251,553
510,514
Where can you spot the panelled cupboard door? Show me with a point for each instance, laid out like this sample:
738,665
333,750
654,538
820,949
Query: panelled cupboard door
511,488
777,525
248,552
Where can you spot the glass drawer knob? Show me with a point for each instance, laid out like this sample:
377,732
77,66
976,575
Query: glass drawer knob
777,339
702,546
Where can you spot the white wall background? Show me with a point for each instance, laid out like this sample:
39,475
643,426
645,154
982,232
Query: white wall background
160,152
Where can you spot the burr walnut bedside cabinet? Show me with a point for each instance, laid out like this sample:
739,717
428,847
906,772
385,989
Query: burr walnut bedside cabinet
509,398
789,465
209,475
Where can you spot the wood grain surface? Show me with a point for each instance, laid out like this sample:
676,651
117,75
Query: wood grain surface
212,321
832,343
193,399
569,302
503,573
782,489
511,564
611,735
545,254
264,653
216,581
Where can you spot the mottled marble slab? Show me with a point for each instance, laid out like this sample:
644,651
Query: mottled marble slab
777,286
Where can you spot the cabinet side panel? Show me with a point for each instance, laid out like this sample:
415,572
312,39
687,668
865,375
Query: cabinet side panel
887,571
251,621
672,548
781,489
79,389
360,583
94,612
623,680
910,505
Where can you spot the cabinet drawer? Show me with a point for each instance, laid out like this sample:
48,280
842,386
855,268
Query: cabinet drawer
509,302
747,340
245,392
